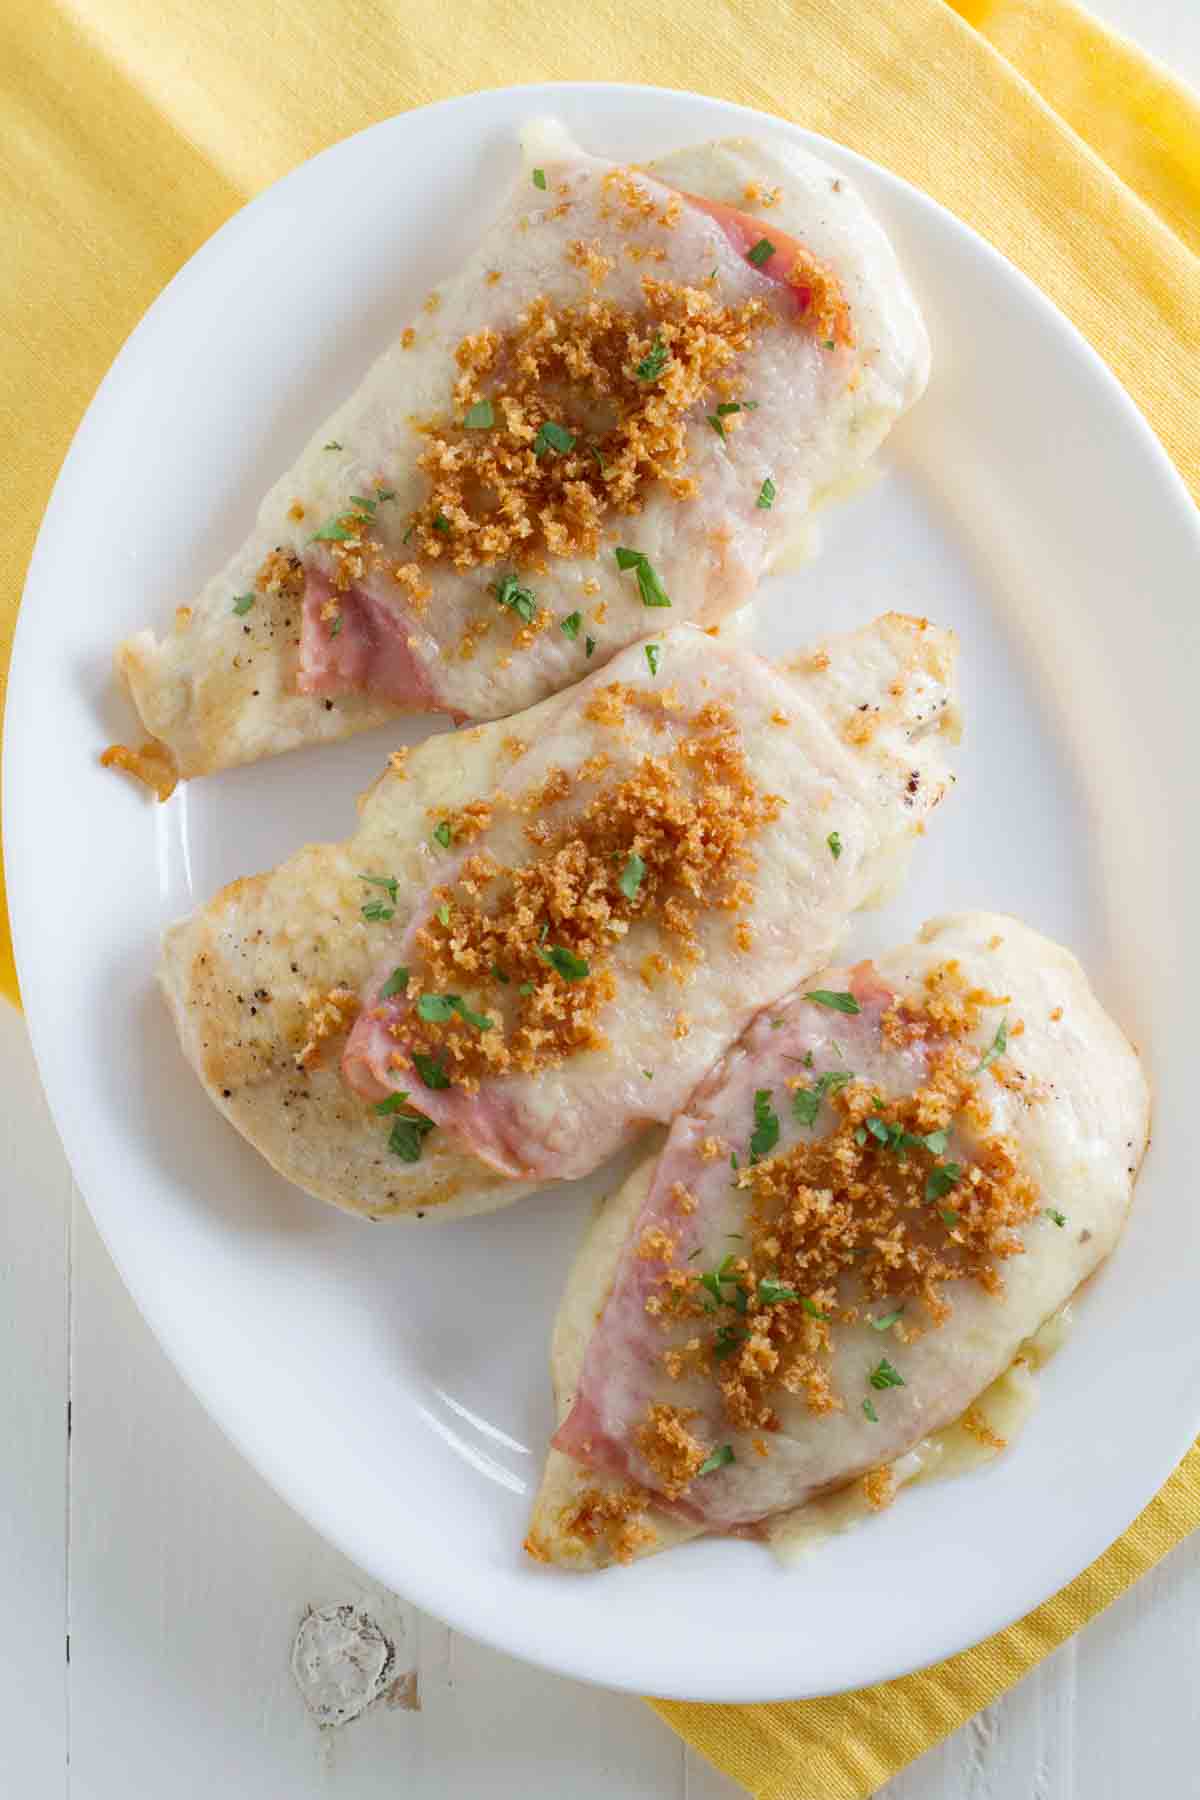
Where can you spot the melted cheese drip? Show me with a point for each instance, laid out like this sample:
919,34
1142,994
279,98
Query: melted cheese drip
1005,1406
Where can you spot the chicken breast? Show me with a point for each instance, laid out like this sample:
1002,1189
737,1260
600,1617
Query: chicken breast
888,1185
545,931
630,398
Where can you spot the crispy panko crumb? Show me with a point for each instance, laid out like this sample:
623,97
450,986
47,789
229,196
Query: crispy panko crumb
183,617
590,587
669,1448
296,511
879,1486
492,277
690,815
514,748
408,338
432,302
591,259
975,1425
153,765
281,573
623,187
714,1149
682,1198
398,762
821,299
325,1016
1056,1015
617,1517
743,935
682,1026
656,1245
779,717
508,496
818,661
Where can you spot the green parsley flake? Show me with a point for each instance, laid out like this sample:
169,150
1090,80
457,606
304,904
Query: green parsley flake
814,1311
553,437
430,1071
242,604
653,652
443,835
388,882
435,1009
835,844
406,1135
942,1180
653,364
568,965
570,625
396,983
869,1409
728,1337
766,1126
843,1003
440,522
649,586
362,504
719,1459
521,600
443,913
480,417
631,876
332,445
382,494
949,1219
336,626
334,531
935,1142
761,253
539,179
718,426
526,987
996,1048
766,495
497,974
885,1376
887,1321
1059,1218
589,645
806,1102
777,1293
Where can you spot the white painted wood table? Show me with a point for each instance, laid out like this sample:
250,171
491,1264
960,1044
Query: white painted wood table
155,1585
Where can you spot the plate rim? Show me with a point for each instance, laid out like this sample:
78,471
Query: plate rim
21,834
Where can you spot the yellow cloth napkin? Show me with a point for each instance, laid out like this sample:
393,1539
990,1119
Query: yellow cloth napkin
131,129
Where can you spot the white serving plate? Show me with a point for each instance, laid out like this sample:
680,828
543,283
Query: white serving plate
390,1380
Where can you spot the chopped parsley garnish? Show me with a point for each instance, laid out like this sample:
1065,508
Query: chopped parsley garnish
570,625
408,534
382,494
653,652
727,1340
375,911
363,505
808,1057
497,974
334,531
480,417
440,522
332,445
396,983
430,1071
631,876
869,1409
518,599
885,1376
814,1311
766,1126
242,604
1059,1218
553,437
442,834
761,253
589,644
649,1074
887,1321
835,844
806,1102
776,1293
387,882
942,1180
336,626
719,1459
898,1141
949,1219
718,426
393,1103
997,1047
935,1142
569,966
829,344
406,1135
594,450
843,1003
539,179
435,1009
649,586
654,362
526,987
731,406
766,495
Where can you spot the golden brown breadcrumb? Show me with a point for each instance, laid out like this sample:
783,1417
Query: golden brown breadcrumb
325,1016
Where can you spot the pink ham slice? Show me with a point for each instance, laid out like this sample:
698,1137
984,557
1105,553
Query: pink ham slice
780,259
367,652
623,1370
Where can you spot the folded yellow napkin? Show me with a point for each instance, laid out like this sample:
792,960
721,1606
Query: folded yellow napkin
130,129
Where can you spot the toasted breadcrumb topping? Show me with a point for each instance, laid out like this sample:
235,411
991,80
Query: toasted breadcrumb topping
616,1517
689,814
976,1426
879,1486
325,1016
152,765
669,1447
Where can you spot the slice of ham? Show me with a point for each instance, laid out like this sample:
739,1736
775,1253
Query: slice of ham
662,1034
812,287
1067,1099
353,643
